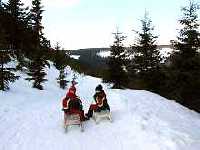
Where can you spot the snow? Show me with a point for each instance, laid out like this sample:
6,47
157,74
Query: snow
75,56
32,119
104,54
166,52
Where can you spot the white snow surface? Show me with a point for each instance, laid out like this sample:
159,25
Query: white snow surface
75,56
31,119
104,54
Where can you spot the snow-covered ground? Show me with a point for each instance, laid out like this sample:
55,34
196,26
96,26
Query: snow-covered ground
75,56
32,120
104,54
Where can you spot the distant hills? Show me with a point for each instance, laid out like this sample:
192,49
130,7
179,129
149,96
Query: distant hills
89,57
93,51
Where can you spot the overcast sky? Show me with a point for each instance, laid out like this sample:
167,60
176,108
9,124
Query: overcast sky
90,23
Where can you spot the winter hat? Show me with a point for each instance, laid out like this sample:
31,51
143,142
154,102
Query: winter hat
74,82
71,92
99,88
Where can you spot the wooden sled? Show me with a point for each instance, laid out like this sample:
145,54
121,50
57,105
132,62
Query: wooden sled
103,114
72,119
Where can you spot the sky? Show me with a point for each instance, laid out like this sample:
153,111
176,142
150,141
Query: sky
77,24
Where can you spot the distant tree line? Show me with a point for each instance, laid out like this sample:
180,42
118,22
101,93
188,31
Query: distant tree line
90,62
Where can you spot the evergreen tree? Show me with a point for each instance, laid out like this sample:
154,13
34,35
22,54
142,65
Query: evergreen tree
38,59
15,8
60,62
57,47
36,13
116,72
36,69
3,35
6,74
15,23
146,61
184,71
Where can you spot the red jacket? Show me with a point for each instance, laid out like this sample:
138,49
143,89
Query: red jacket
71,94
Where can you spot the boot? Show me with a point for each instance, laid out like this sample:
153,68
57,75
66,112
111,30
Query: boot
90,113
86,117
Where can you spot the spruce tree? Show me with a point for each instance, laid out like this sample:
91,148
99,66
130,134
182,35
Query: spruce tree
15,8
17,26
184,69
60,62
36,14
146,61
3,35
38,59
16,22
36,69
116,63
6,72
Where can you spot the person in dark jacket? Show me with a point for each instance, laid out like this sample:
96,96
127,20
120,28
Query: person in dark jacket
100,101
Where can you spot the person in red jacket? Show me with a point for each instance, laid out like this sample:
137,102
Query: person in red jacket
72,103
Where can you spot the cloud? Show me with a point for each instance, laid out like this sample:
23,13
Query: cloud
60,3
54,3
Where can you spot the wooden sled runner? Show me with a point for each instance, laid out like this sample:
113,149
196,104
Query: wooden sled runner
103,114
72,119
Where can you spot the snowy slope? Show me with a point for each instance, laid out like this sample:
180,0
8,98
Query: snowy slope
32,120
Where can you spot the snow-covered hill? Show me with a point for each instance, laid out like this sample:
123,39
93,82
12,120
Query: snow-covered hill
32,120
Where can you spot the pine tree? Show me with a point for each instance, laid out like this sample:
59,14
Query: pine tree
147,58
184,70
17,27
3,35
36,70
116,73
6,74
36,14
60,62
15,8
16,22
38,59
146,51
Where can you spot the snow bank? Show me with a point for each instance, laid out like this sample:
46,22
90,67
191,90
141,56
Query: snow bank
32,119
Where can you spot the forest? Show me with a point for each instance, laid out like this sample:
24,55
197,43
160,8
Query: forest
23,42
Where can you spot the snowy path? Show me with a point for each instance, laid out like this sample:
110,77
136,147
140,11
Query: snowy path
32,119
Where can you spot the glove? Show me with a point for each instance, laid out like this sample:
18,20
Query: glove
98,109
